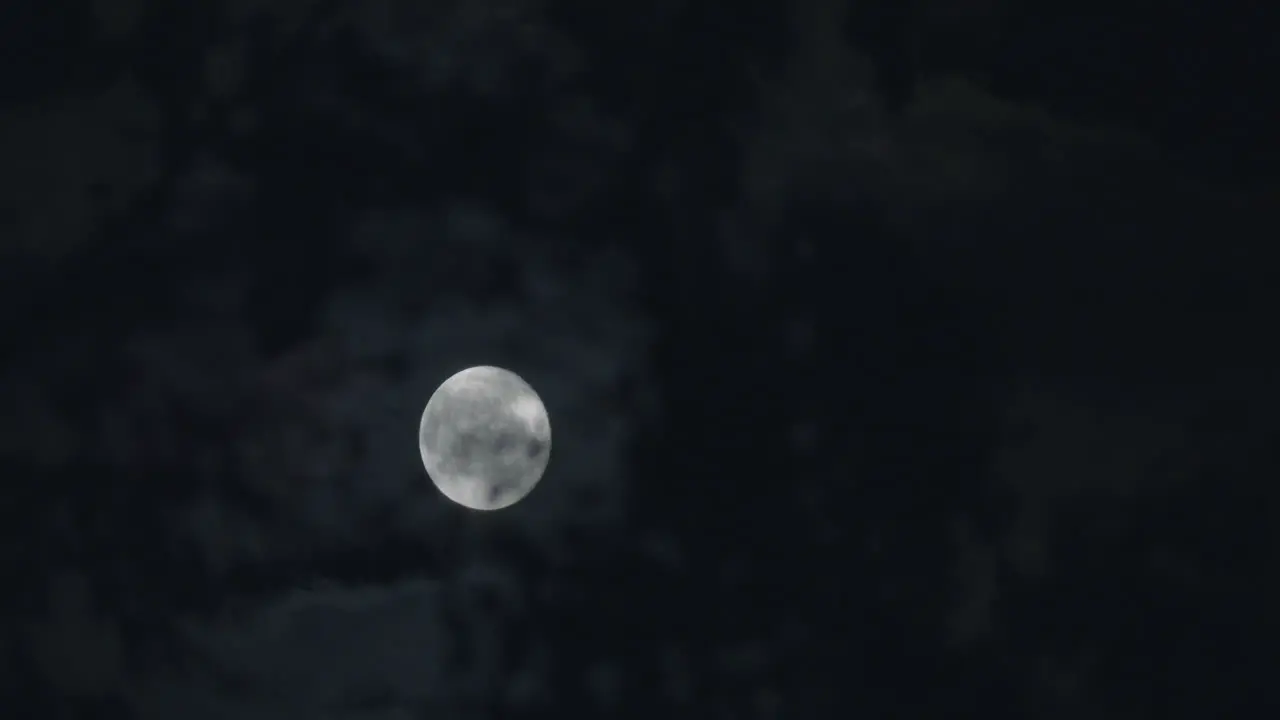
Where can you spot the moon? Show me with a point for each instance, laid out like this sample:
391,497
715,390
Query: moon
485,438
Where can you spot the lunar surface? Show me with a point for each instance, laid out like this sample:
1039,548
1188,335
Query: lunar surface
485,438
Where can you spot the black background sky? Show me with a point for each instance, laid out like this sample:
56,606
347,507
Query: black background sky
904,359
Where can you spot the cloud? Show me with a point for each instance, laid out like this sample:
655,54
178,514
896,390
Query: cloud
329,652
329,440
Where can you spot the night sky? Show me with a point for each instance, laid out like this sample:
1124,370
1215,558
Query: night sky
904,359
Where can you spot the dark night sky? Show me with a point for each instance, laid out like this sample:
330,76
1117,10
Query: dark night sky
904,359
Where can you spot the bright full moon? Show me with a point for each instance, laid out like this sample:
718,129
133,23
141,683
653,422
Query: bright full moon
485,438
